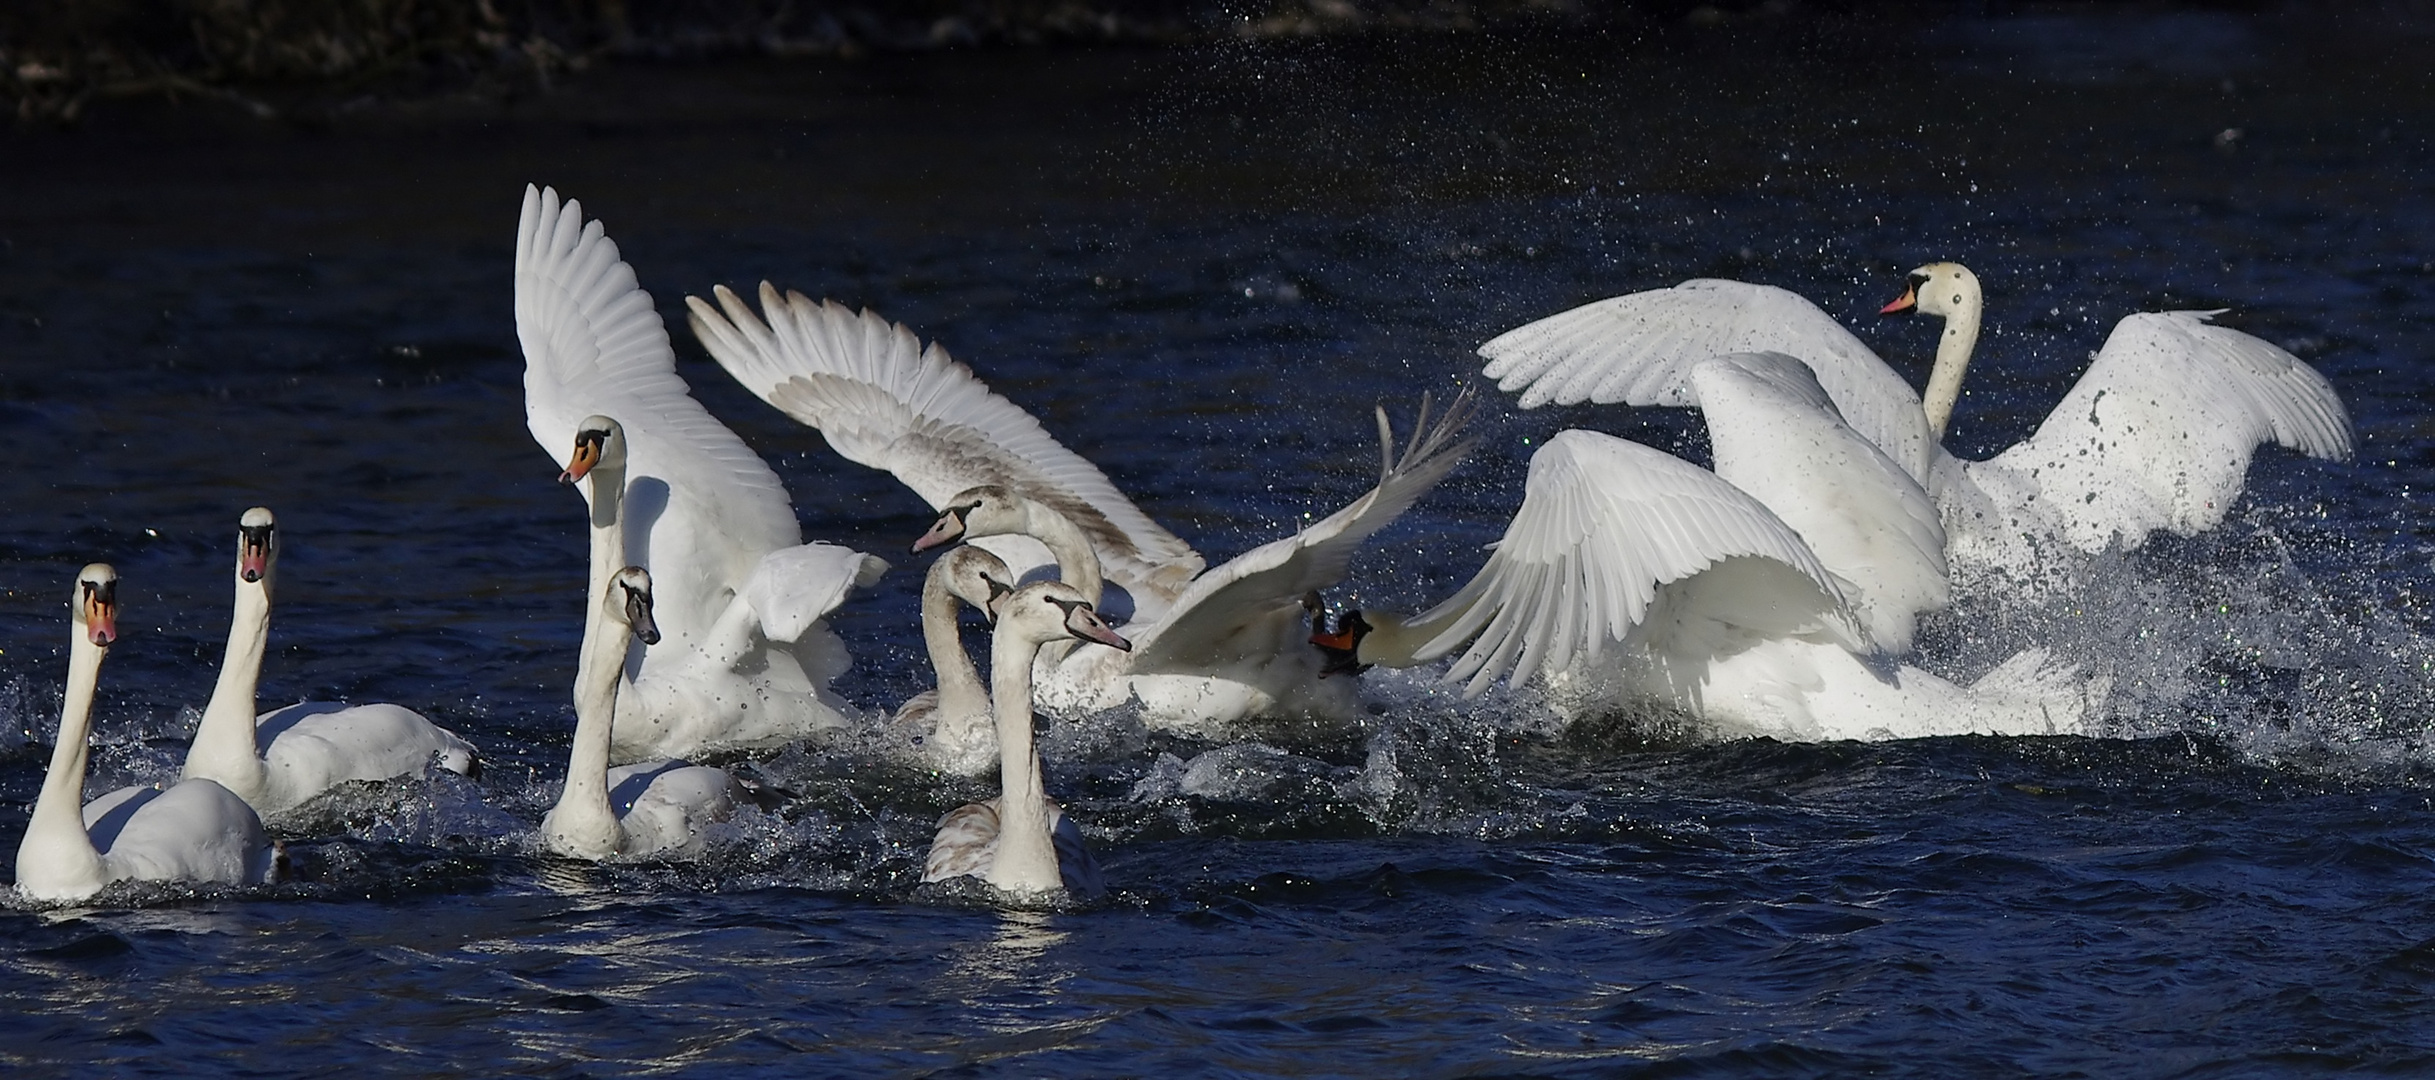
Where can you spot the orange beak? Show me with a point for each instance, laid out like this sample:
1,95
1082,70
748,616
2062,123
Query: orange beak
1908,300
101,620
587,454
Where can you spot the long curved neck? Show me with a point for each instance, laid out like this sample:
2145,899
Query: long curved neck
1077,560
57,859
582,823
608,534
1952,359
1026,859
960,692
224,747
1396,641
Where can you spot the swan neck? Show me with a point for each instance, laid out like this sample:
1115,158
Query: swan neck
608,492
57,858
1396,642
582,823
1026,859
960,692
224,747
1953,349
1077,561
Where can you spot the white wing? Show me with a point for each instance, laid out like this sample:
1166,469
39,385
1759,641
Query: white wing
1204,631
1777,436
792,588
882,400
1639,349
2158,434
1604,524
593,343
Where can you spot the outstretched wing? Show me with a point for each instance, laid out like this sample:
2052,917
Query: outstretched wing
594,344
1639,350
883,400
1777,437
2158,434
1207,626
1604,524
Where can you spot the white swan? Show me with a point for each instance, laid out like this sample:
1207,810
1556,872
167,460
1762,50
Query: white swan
194,831
287,756
1223,646
1021,842
639,810
746,661
959,734
2157,434
1740,596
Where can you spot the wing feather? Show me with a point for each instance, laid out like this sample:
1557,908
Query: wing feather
2160,432
882,399
1639,349
1604,524
1269,581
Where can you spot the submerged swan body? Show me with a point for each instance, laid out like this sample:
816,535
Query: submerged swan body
196,830
746,658
2157,434
285,757
654,808
1211,648
1021,842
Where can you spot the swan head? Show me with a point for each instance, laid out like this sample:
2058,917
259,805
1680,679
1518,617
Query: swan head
978,578
988,510
1340,643
629,602
94,605
257,544
599,442
1046,611
1942,289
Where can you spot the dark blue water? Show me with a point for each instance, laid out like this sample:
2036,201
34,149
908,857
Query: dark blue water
1201,268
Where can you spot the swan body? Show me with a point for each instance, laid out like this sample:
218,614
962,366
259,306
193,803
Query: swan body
1021,843
961,737
655,808
1212,648
1631,575
196,830
1234,645
2157,434
285,757
746,658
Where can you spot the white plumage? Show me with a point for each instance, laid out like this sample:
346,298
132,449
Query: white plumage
746,661
196,830
285,757
2157,434
1225,645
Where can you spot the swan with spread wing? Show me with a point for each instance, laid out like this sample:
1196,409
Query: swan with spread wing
745,658
2156,435
1768,597
1210,647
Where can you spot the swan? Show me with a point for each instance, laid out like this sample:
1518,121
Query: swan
285,757
638,810
1032,849
1212,648
746,659
196,830
1740,595
960,737
2157,434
